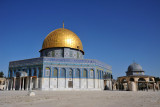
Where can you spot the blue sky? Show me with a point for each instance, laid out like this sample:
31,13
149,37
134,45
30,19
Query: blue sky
116,32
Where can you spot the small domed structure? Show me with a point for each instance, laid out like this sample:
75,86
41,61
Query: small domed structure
135,79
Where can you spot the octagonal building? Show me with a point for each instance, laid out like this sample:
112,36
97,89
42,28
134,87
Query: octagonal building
61,66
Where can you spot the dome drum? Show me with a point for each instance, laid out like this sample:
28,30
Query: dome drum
62,53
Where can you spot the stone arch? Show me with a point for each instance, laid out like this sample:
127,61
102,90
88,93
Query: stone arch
142,84
124,80
150,79
141,79
131,79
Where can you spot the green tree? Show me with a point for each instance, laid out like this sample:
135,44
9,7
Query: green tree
1,74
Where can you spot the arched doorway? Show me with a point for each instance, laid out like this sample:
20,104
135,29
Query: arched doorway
142,84
77,78
55,76
62,78
84,80
70,82
91,79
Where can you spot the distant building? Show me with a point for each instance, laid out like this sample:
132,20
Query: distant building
2,83
136,79
60,67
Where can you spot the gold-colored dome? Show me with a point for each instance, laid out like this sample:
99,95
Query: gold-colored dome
62,38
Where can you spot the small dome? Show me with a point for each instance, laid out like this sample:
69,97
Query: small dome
135,67
62,38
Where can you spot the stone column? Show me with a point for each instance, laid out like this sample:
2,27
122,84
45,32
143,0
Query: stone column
154,84
19,83
30,83
11,84
7,84
37,77
23,84
137,86
14,83
27,83
36,83
147,86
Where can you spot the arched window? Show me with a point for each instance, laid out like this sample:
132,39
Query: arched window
70,73
47,71
91,73
55,72
63,72
77,73
84,73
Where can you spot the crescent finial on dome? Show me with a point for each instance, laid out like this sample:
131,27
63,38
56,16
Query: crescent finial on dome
63,24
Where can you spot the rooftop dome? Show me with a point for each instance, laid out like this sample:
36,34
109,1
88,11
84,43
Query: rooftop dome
62,38
135,67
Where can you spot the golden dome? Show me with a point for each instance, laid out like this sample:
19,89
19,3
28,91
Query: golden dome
62,38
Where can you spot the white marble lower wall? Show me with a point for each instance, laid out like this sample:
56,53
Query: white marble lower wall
72,84
109,84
